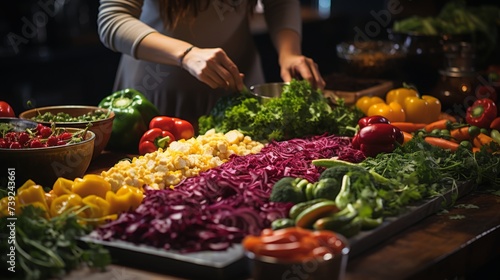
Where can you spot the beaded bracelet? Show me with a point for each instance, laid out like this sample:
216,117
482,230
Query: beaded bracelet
184,55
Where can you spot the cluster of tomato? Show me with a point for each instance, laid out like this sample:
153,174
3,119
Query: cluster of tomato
41,136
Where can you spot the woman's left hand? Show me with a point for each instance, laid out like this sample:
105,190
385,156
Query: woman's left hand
301,67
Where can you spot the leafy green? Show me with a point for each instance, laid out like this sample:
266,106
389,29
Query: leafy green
300,111
48,248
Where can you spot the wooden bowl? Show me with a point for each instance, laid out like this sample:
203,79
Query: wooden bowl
101,128
44,165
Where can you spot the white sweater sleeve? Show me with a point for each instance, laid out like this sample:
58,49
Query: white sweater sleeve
282,14
119,26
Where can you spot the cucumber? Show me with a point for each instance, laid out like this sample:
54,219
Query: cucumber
301,206
310,191
337,220
316,211
282,223
325,162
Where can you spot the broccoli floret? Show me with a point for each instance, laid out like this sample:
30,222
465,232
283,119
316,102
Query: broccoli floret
337,172
289,189
327,188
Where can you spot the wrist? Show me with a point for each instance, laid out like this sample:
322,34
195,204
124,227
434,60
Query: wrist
183,55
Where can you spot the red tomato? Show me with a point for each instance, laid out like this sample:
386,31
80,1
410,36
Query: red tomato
183,129
163,123
6,110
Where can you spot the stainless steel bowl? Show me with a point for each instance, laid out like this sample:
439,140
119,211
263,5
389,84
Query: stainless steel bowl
267,91
330,267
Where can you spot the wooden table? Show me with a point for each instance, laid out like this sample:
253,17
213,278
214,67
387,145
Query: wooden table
460,243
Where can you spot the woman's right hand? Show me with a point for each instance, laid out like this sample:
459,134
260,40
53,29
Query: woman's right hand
214,68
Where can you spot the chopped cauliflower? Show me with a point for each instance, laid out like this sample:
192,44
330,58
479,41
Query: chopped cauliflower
184,158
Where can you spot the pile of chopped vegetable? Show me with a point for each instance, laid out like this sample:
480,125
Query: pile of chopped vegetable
301,111
224,204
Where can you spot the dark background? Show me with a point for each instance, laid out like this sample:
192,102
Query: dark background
65,63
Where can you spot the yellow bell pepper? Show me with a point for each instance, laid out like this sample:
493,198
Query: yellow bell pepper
91,184
399,95
126,198
64,203
32,195
365,102
393,111
62,186
422,110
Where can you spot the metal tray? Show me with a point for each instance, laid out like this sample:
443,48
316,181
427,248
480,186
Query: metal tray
232,263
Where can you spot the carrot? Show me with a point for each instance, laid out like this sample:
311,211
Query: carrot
481,140
475,149
440,124
442,143
464,133
495,124
407,136
408,126
446,116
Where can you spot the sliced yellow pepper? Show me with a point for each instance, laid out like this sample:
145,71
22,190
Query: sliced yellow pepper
422,110
126,198
393,111
98,207
26,185
9,205
365,102
91,184
33,195
399,95
62,186
64,203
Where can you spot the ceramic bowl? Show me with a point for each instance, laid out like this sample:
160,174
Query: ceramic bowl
101,128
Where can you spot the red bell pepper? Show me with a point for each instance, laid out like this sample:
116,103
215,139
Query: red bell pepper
153,139
181,129
482,112
366,121
377,135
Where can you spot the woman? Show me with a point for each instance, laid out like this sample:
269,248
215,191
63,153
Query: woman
184,55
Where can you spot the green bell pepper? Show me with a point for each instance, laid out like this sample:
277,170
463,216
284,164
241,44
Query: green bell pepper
133,112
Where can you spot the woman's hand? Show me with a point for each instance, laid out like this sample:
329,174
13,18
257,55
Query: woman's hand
214,68
301,67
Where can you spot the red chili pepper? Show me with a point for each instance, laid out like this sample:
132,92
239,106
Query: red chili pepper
153,139
481,113
366,121
378,138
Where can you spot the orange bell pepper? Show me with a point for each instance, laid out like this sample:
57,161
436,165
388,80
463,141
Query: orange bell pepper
126,198
393,111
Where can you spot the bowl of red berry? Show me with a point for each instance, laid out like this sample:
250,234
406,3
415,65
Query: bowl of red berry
31,150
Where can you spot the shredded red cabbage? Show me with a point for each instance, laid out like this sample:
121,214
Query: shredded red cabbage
221,206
